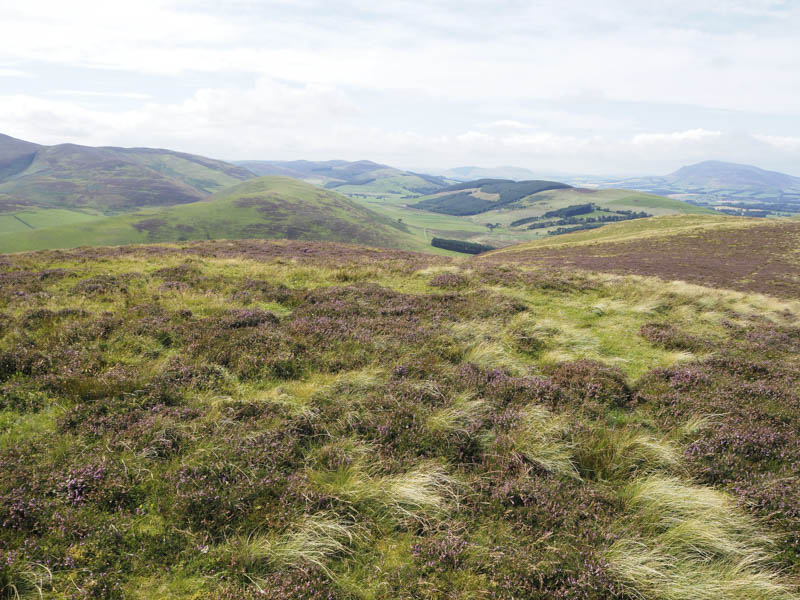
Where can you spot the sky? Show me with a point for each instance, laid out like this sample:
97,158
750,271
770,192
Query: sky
618,87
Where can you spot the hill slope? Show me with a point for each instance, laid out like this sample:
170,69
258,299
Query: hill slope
314,421
267,207
362,178
482,195
108,179
746,254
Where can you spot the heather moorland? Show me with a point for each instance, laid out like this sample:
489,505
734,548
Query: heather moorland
314,420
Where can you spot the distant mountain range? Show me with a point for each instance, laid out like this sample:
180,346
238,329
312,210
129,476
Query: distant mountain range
67,195
723,174
107,179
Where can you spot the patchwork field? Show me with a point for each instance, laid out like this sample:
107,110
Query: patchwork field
302,420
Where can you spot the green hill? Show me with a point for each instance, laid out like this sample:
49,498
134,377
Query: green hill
755,255
267,207
483,195
358,179
106,179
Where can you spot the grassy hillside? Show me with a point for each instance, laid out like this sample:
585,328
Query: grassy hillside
495,227
309,421
268,207
663,226
474,197
757,255
362,179
26,220
109,180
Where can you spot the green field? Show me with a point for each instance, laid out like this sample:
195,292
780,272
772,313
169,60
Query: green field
28,220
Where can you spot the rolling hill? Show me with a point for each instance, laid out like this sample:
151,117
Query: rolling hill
729,187
754,255
364,179
108,180
483,195
267,207
713,173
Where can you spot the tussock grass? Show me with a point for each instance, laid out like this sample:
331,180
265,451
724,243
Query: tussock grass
21,580
611,454
656,573
416,495
459,416
667,502
543,439
694,543
314,541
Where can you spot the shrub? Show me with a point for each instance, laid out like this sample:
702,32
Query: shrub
670,337
590,381
460,246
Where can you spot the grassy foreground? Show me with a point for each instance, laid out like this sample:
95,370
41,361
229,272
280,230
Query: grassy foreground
299,420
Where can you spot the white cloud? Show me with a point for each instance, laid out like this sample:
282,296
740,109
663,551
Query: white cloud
789,143
94,94
14,73
676,137
631,86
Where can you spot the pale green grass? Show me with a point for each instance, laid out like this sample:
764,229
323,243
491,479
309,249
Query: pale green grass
457,416
24,581
611,454
28,220
312,542
414,495
638,229
543,439
693,542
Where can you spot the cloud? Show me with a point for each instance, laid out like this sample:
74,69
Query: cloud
630,87
94,94
691,136
789,143
14,73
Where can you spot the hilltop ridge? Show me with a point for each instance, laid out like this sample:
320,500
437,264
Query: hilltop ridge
109,179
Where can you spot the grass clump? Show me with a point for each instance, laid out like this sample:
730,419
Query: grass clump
415,495
607,453
313,542
693,543
543,439
461,416
20,579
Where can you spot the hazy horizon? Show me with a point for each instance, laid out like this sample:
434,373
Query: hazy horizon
632,89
